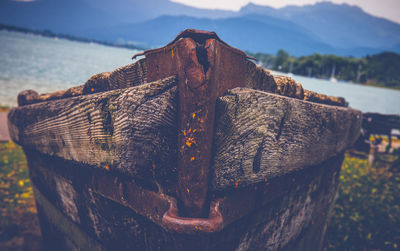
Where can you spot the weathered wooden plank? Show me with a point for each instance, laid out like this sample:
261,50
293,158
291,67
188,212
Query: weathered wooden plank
132,130
288,87
324,99
58,231
61,190
296,221
261,135
135,74
122,77
98,220
261,79
285,221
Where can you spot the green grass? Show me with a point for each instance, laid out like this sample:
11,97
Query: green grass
17,206
15,187
366,215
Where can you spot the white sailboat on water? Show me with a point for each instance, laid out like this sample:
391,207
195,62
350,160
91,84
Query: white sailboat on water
332,78
290,74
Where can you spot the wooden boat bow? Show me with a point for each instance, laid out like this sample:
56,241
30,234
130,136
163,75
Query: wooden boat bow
229,135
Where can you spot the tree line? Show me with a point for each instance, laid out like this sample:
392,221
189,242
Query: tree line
48,33
381,69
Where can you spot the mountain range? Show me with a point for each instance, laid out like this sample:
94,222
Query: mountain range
301,30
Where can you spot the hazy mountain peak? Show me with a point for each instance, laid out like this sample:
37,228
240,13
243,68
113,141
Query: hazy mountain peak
339,25
255,7
320,27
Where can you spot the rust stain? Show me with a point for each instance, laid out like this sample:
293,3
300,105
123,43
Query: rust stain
206,67
190,141
237,183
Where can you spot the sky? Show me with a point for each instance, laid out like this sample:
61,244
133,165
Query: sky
389,9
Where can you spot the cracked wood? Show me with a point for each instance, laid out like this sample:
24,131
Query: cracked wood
261,136
258,135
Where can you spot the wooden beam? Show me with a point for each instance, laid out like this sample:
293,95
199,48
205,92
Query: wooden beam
130,130
258,135
261,136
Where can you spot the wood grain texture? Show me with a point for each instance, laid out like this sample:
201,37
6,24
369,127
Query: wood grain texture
261,136
258,135
294,220
98,220
58,232
324,99
132,130
135,74
261,79
288,87
298,220
122,77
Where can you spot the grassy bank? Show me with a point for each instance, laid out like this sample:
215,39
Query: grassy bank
4,108
19,226
366,215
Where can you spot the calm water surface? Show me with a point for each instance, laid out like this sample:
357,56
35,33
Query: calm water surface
364,98
47,64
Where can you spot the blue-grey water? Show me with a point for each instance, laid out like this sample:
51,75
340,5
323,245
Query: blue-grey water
48,64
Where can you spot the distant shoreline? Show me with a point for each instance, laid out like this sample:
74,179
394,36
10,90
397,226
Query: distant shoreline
273,72
50,34
378,70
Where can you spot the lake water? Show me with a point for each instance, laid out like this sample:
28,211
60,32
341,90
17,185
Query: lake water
47,64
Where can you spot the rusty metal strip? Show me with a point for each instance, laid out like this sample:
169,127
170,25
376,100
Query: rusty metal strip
157,207
145,202
173,222
163,210
206,68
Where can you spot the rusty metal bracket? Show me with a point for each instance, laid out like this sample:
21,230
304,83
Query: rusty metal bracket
163,210
206,68
157,207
